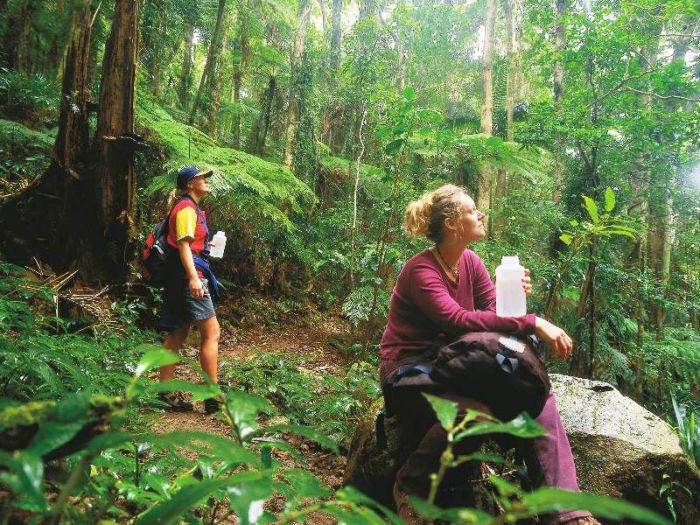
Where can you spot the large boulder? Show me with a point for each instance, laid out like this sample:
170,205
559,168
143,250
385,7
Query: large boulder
621,450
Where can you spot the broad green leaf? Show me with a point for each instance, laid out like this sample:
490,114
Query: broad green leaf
409,93
284,447
481,456
350,493
523,426
53,434
393,147
446,411
109,440
305,484
187,497
609,200
505,488
247,496
307,432
591,208
245,409
552,500
25,476
199,392
72,407
213,445
566,238
155,357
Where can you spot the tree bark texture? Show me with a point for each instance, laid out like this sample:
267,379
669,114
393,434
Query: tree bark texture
211,59
240,67
258,133
115,181
298,46
186,75
336,35
486,175
53,218
511,9
216,80
558,89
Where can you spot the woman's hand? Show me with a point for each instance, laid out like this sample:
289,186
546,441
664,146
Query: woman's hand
196,288
554,336
527,283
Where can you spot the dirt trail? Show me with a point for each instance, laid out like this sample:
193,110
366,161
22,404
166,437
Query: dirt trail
302,338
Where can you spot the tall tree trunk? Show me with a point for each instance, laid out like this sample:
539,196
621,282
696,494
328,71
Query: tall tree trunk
298,45
511,8
78,212
336,35
558,89
186,75
680,49
47,219
258,133
240,67
211,59
115,181
486,175
215,88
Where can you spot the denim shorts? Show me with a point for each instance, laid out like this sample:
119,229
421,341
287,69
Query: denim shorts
180,308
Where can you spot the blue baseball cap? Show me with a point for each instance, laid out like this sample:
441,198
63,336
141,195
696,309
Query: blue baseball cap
187,173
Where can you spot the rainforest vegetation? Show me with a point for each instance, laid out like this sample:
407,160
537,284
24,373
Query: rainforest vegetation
574,124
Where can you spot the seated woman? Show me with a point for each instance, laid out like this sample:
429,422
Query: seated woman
441,293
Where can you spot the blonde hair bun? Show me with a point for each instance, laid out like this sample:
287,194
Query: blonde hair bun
425,216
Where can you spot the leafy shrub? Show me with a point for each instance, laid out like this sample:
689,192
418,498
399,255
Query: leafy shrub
326,402
31,98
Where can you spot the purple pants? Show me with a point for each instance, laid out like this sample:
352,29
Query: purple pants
549,459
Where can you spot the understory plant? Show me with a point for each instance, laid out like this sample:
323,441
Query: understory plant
516,503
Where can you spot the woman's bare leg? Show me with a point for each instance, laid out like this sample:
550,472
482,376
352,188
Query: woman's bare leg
209,348
173,342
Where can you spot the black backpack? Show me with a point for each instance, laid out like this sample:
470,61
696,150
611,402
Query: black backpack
153,260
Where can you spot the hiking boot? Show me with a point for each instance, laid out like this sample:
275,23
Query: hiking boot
404,509
176,401
211,406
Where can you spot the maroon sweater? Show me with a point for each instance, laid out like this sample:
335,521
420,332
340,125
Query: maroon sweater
427,306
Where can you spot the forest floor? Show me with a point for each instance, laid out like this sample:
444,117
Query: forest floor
297,336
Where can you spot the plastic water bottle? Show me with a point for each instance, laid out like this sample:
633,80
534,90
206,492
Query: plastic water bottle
510,295
217,245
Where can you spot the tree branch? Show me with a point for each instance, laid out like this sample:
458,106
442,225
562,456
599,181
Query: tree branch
665,97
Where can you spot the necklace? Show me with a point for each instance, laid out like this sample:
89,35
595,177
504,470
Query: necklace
454,269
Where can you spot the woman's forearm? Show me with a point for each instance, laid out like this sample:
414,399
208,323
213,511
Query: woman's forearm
185,252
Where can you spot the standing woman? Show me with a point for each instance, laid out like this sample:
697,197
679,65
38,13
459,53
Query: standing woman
191,286
441,293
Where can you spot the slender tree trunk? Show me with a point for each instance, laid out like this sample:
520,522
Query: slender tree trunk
211,59
258,134
115,182
240,67
215,88
665,266
511,8
486,175
358,165
298,45
336,35
558,88
186,75
680,49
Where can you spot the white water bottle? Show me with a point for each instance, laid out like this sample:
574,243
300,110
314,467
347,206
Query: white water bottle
510,294
217,245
